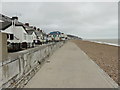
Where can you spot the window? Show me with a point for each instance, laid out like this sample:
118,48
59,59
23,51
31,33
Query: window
11,36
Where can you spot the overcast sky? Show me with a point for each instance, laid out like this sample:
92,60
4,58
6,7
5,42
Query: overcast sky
84,19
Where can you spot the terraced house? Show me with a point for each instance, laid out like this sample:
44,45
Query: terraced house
18,36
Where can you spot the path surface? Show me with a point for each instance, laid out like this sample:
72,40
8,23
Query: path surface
70,67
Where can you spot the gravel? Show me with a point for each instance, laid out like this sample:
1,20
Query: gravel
106,56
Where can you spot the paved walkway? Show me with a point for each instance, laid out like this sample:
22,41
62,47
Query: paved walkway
70,67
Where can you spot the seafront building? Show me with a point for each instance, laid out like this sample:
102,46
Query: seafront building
23,36
57,36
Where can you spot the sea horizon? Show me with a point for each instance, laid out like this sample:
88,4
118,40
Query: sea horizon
114,42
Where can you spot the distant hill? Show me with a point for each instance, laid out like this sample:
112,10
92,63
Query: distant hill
74,37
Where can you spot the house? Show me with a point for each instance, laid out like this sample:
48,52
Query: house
17,35
44,37
63,36
7,27
16,28
31,35
49,38
57,36
41,35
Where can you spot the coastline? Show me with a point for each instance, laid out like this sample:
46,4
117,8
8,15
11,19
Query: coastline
104,43
104,55
114,42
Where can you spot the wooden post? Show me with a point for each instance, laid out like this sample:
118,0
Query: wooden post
3,47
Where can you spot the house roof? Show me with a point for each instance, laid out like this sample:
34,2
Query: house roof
6,22
39,32
55,33
29,29
30,32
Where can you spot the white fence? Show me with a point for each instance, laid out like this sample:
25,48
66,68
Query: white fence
22,66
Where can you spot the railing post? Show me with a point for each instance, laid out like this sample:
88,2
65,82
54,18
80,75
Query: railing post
3,47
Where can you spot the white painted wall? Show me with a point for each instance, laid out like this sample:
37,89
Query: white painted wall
19,32
30,38
34,36
8,30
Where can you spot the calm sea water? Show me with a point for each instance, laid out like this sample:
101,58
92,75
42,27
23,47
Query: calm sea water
107,41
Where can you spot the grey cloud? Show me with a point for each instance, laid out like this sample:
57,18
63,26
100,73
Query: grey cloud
84,19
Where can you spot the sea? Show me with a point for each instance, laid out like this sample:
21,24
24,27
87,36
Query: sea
114,42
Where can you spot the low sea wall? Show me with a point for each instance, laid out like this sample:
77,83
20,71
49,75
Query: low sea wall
21,66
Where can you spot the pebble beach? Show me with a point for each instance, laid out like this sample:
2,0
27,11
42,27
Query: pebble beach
105,56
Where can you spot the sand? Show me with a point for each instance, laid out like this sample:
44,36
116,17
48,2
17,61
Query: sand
106,56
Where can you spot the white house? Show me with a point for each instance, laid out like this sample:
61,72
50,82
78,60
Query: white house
44,37
49,38
57,36
7,27
39,34
31,35
63,36
15,30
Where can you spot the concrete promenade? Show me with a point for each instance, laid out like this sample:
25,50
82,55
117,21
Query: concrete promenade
70,67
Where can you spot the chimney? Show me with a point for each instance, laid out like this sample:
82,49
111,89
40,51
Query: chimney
31,26
27,24
14,20
35,28
38,29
